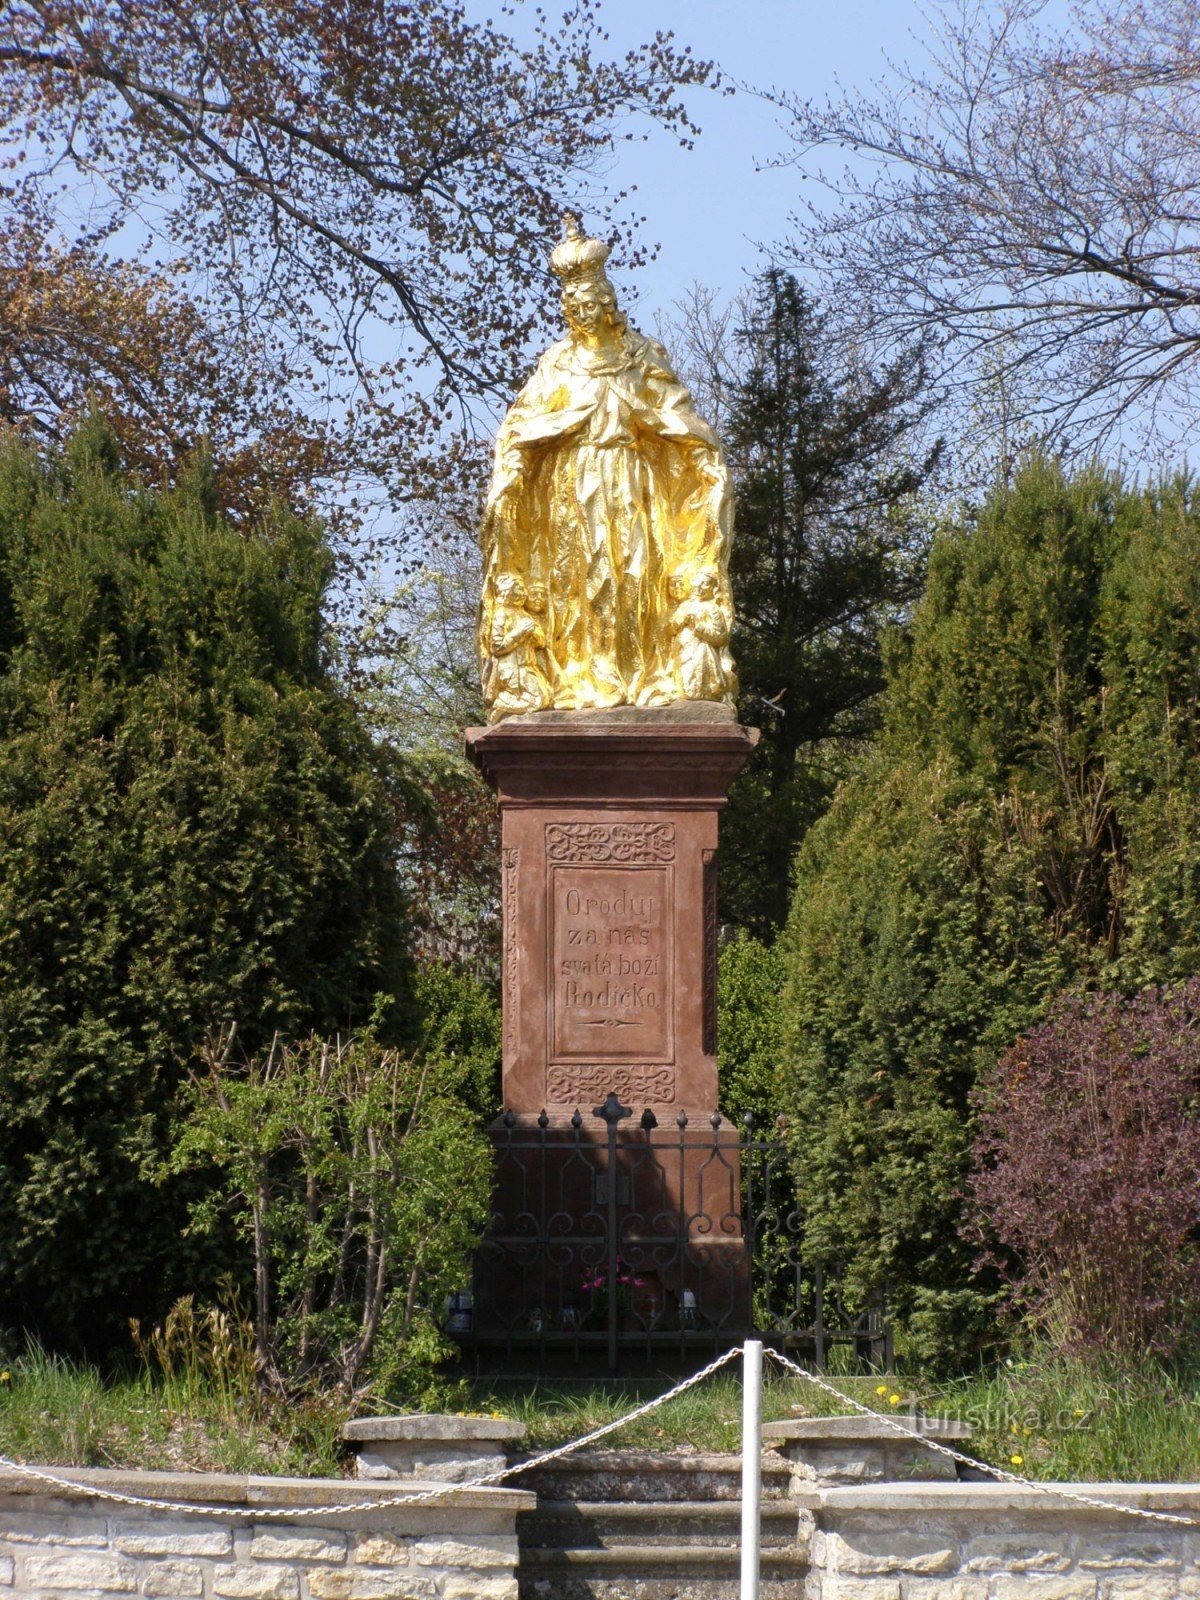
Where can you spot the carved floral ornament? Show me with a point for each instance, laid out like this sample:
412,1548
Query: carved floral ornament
623,843
641,1085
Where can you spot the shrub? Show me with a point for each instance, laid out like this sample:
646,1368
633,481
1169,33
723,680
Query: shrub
749,981
359,1181
1026,822
1087,1168
194,826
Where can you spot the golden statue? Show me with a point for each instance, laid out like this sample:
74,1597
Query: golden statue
608,523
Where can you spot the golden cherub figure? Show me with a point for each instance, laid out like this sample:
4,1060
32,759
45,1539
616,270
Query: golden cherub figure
701,665
605,482
514,679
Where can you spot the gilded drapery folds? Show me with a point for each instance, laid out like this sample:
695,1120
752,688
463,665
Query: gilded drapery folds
608,523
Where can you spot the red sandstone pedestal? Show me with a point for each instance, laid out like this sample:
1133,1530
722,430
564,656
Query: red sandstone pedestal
609,850
609,871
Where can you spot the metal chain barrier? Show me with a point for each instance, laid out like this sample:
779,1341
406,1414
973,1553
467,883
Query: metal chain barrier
383,1502
1054,1490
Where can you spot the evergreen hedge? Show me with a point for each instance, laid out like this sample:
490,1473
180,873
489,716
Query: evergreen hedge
195,827
1029,821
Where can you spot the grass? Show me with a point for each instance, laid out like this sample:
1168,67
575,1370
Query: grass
1064,1420
707,1418
57,1412
1047,1418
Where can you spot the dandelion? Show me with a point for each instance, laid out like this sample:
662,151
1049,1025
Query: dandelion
1017,1461
881,1389
5,1377
893,1399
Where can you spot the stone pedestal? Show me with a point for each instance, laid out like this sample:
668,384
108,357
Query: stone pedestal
840,1450
431,1448
608,1166
609,824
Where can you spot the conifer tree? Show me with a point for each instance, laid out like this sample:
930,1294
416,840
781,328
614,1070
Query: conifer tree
1026,822
195,829
828,548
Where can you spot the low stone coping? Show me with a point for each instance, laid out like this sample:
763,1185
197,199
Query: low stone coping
859,1430
419,1426
951,1499
223,1489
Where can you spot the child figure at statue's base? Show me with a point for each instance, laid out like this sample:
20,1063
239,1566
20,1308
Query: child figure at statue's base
699,631
514,681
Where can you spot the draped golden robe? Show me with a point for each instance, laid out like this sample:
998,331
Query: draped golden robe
606,484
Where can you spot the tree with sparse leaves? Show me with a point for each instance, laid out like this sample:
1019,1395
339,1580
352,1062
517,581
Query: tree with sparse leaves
1030,196
79,332
360,194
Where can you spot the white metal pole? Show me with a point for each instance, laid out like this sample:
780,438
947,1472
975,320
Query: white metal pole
752,1354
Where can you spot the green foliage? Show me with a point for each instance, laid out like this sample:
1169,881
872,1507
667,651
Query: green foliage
194,826
750,978
1028,821
829,547
460,1031
360,1181
421,697
67,1413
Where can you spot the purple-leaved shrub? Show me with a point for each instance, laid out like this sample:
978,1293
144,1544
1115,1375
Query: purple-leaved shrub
1086,1170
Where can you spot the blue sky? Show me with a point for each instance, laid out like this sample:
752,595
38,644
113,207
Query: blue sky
711,208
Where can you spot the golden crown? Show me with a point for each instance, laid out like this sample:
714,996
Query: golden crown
578,259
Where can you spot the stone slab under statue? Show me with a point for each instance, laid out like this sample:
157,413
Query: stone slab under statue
605,618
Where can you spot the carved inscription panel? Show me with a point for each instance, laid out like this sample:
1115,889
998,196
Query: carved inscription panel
611,964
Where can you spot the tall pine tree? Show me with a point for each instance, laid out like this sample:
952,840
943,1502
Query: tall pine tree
829,548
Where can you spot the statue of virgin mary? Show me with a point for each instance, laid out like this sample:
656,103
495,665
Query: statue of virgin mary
608,523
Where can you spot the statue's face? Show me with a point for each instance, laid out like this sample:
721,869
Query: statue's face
535,598
590,313
706,585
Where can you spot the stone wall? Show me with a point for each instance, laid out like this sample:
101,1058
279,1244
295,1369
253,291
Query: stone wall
990,1541
62,1547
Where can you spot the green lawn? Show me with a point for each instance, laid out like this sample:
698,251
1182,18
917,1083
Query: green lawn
1053,1419
1050,1420
59,1412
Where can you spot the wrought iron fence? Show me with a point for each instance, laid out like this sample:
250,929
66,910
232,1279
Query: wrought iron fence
609,1242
